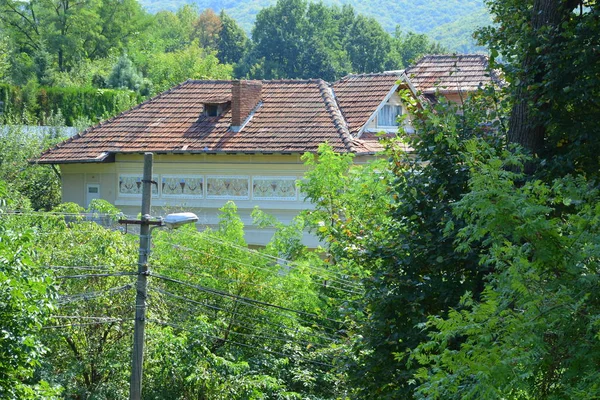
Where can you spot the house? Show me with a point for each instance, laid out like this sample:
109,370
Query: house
216,141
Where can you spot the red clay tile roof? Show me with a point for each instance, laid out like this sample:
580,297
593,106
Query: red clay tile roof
294,117
359,96
450,73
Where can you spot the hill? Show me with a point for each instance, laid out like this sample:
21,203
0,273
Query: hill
421,16
457,35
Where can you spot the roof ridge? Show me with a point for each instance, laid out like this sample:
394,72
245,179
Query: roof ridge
207,81
333,109
371,74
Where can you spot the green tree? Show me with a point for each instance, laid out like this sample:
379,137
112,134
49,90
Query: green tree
409,47
206,29
166,70
69,30
233,41
533,331
294,39
401,240
26,298
368,46
554,88
39,183
125,76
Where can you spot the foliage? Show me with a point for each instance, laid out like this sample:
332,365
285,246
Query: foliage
38,185
233,41
457,36
125,76
39,103
534,332
25,295
296,39
70,31
390,220
222,320
553,86
415,16
5,50
169,69
206,29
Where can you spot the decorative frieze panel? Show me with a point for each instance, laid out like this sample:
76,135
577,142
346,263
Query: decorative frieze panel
132,185
182,186
222,187
274,188
227,187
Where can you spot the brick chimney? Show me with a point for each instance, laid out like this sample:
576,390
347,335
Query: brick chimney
245,95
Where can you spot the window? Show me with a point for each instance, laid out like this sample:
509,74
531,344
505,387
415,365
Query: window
388,115
211,110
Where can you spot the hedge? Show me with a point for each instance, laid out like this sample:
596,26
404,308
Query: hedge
73,102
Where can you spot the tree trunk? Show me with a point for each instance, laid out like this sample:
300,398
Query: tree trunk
525,127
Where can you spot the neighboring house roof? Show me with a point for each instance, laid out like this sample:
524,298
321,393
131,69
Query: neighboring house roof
293,116
450,73
359,96
288,116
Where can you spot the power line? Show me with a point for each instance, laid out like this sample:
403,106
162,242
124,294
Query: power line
86,296
87,276
261,268
282,262
304,321
243,316
249,300
213,307
177,326
240,325
81,267
279,260
88,323
231,280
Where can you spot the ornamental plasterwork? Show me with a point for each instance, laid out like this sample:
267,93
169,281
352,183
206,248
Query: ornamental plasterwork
227,187
274,188
132,185
174,185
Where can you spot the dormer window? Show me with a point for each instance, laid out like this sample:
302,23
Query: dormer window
388,116
214,110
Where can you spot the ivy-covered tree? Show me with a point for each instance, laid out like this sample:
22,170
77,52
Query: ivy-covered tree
554,88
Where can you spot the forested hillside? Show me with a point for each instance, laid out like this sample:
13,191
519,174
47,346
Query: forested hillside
420,16
437,18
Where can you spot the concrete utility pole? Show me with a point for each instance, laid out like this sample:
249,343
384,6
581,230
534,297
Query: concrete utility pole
137,358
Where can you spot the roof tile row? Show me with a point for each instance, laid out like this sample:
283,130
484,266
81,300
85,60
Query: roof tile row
294,116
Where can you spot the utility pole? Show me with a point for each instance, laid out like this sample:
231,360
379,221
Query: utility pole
137,358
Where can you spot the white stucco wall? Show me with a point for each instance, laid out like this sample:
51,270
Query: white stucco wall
249,171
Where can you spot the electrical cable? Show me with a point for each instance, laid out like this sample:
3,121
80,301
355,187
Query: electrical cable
249,300
242,316
86,296
86,276
231,280
260,268
216,308
279,260
280,338
241,344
